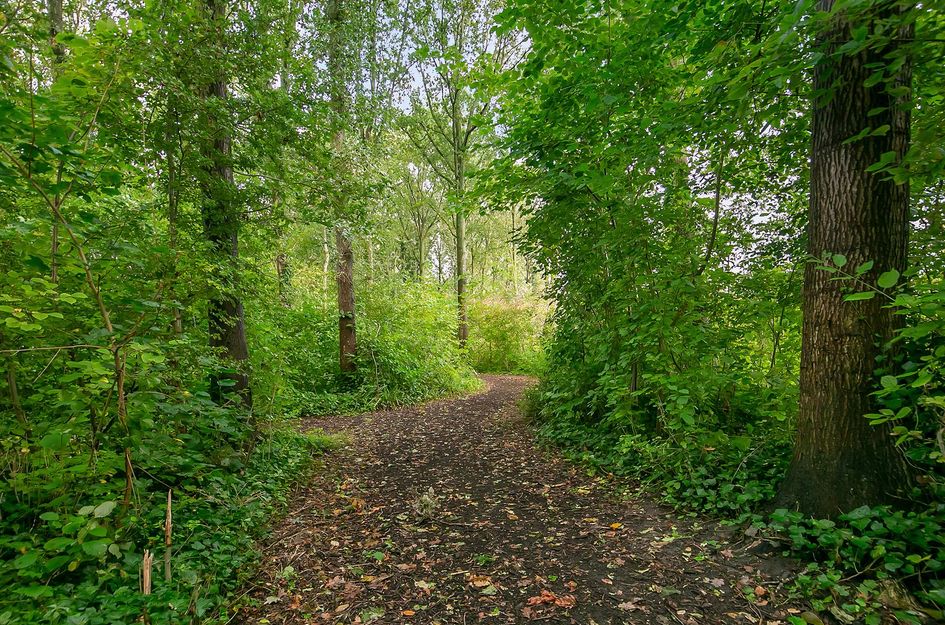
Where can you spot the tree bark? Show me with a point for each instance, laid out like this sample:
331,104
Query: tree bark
347,338
54,12
221,224
840,461
459,172
173,196
347,342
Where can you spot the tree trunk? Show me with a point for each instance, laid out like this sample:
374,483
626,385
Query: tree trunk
283,278
326,263
459,171
347,341
54,13
177,322
221,224
840,461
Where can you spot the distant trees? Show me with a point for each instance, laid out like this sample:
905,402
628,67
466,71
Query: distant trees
456,47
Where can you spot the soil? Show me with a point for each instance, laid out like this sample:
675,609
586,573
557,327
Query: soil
453,513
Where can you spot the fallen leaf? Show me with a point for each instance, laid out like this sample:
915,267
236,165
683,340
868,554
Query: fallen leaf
408,612
566,601
479,581
546,596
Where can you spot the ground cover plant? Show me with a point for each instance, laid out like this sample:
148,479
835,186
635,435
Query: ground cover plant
711,232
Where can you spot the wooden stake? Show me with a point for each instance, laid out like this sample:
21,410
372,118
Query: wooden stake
146,572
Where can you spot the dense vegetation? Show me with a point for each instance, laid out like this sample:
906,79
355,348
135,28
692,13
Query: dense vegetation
714,229
182,186
670,204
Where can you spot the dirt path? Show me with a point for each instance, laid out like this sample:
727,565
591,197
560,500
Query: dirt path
450,513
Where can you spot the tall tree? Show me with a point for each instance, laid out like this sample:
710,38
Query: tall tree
221,225
840,460
54,13
455,44
347,338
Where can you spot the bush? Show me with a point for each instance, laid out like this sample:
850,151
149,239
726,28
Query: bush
505,335
407,352
77,557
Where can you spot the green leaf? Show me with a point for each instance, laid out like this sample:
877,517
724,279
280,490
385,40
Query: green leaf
839,260
888,279
863,295
104,509
26,560
864,267
58,544
96,548
55,441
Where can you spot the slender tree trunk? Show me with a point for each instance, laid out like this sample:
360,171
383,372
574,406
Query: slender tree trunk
346,332
283,278
347,340
459,170
421,253
177,324
326,263
221,224
840,461
54,12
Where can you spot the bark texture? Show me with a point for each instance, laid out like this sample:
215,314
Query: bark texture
347,337
54,12
347,343
221,223
459,141
840,461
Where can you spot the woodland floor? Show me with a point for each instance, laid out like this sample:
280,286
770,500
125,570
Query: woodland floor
451,513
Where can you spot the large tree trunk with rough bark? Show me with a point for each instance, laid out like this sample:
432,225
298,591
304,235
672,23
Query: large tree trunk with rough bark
221,223
841,461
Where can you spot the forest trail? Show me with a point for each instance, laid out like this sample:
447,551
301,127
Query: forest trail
509,533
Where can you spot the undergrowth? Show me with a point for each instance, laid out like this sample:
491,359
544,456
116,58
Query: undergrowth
82,565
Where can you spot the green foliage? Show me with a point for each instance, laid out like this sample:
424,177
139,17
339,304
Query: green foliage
115,169
506,336
658,149
408,347
77,559
855,558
